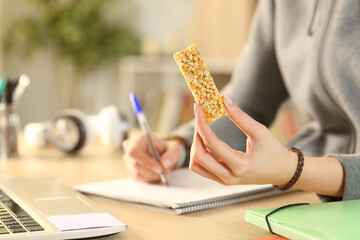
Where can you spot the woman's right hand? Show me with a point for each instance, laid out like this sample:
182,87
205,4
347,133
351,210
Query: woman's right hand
140,162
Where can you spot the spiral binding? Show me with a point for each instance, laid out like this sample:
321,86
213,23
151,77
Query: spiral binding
224,201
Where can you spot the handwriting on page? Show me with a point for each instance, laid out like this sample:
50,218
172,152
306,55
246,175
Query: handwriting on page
84,221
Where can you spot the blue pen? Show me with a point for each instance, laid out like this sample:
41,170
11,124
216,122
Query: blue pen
146,129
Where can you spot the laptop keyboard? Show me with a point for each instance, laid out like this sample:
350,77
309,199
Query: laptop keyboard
13,219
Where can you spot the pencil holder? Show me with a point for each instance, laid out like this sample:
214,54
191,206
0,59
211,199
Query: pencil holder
9,131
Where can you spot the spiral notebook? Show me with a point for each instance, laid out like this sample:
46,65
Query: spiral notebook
187,192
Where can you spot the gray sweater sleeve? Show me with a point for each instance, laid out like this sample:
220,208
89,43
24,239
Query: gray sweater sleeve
256,85
351,166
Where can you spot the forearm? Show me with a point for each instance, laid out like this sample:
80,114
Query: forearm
322,175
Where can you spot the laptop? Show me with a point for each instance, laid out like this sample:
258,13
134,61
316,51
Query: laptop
46,208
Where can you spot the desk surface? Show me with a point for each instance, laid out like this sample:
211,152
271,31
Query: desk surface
96,163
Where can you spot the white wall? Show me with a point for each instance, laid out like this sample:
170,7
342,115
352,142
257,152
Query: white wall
168,22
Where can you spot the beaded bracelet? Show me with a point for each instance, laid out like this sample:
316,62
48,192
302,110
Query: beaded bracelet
298,171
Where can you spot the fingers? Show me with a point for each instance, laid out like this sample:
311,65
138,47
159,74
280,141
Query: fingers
212,158
210,165
171,155
196,167
160,144
138,158
247,124
140,173
212,143
141,164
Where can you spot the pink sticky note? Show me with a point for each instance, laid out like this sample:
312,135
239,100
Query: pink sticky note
83,221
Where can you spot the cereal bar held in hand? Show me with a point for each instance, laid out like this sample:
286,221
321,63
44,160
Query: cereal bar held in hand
201,83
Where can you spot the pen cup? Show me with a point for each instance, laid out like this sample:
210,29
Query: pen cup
9,131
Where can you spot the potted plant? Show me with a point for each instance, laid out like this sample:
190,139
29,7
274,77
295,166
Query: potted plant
76,31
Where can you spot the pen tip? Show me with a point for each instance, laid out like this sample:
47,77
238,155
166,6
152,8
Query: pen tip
164,180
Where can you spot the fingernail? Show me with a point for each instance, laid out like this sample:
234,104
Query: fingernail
195,108
157,169
167,163
227,100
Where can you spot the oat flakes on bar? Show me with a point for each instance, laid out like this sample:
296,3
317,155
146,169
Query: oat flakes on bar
201,83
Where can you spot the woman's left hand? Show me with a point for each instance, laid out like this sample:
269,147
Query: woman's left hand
266,160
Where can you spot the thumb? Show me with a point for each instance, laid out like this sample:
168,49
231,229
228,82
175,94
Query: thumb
171,155
246,123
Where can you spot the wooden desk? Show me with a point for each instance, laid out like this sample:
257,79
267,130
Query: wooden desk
96,163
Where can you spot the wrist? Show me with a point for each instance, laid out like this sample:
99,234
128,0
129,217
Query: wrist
184,159
286,168
295,173
183,156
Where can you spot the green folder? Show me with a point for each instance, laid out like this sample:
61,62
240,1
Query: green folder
333,220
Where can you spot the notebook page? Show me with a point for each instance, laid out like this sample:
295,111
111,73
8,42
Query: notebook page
184,186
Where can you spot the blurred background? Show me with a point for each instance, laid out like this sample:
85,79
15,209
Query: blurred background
87,54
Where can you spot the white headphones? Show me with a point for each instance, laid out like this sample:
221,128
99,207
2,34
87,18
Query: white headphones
71,130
